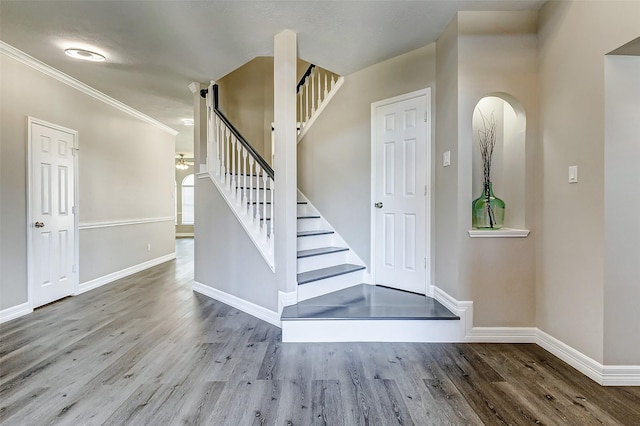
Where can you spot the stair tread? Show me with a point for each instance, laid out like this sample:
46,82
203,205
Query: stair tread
332,271
320,251
312,233
368,302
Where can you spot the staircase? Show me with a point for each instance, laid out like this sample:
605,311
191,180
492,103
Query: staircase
333,303
325,261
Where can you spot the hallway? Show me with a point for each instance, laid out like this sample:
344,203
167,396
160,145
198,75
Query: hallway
148,350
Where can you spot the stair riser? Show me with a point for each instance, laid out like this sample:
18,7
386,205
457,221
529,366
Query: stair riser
316,241
320,287
309,225
373,331
322,261
305,210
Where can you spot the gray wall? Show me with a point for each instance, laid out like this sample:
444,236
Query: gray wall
246,98
574,38
476,60
622,205
225,257
334,157
125,173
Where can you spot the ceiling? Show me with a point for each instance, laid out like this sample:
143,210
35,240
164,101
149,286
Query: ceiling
154,49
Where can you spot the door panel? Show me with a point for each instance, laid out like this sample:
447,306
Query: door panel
52,221
399,184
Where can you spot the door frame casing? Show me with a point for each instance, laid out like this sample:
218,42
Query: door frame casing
428,179
76,239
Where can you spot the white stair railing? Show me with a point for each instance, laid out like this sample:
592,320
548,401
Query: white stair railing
243,177
315,90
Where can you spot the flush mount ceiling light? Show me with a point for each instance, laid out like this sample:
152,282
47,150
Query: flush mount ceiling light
87,55
187,121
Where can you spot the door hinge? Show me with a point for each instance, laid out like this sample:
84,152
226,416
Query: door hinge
425,117
73,210
74,268
425,263
425,190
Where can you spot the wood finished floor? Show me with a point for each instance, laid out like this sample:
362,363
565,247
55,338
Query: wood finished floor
146,350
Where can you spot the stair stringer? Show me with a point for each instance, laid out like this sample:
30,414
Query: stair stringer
252,227
304,127
325,286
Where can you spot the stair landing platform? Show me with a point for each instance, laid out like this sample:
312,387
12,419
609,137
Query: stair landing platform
368,313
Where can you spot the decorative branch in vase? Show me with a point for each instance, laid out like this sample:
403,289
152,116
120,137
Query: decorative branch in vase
487,210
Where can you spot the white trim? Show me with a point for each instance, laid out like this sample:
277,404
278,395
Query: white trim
606,375
426,92
462,309
112,223
247,307
370,331
286,298
498,233
48,70
501,335
15,312
76,232
621,375
304,129
571,356
106,279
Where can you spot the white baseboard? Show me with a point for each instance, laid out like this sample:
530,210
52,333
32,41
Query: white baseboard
621,375
286,299
606,375
15,312
250,308
501,335
106,279
462,309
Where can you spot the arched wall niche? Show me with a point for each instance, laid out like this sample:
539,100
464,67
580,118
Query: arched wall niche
508,163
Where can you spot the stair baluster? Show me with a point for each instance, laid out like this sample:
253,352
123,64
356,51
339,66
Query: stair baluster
242,176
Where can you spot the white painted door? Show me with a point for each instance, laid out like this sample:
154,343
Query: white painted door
51,221
400,200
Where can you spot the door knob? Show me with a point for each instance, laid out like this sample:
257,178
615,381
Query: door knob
39,224
378,205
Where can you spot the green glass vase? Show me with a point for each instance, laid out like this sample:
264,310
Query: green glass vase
488,210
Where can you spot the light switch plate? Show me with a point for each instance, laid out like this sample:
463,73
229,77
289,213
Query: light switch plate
446,159
573,174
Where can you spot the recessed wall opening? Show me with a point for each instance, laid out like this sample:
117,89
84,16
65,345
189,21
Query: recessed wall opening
508,160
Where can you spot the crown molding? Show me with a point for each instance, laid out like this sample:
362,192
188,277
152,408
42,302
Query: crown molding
48,70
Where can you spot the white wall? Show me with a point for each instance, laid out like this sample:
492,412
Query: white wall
125,173
574,38
622,207
334,157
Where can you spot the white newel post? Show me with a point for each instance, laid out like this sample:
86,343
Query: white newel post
285,159
200,126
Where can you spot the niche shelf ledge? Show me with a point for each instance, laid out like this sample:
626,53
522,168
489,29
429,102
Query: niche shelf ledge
499,233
